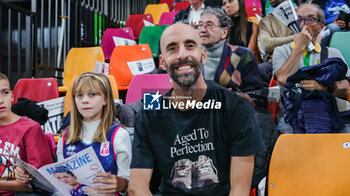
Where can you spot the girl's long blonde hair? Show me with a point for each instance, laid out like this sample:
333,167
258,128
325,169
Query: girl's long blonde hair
99,84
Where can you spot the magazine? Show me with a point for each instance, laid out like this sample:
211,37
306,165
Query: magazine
285,13
71,176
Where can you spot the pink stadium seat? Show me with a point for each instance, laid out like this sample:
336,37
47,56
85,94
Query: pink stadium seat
136,23
107,42
147,83
167,18
38,89
253,7
181,5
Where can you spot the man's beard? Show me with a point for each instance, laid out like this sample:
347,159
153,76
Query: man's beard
185,80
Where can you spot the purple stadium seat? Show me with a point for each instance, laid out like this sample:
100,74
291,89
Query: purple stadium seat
147,83
107,42
167,18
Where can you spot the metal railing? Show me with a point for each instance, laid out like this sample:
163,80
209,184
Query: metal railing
16,42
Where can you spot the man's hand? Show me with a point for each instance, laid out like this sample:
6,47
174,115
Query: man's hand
248,98
302,40
340,23
192,24
342,89
311,85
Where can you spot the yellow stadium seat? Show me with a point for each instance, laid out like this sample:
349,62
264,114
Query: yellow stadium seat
310,164
156,11
78,61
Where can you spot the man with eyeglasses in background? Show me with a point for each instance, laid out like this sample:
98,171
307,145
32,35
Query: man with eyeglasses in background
233,67
287,59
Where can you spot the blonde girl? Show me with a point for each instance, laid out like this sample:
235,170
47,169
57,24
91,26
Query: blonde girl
92,124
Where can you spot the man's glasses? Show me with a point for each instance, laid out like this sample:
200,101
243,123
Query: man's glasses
206,26
307,20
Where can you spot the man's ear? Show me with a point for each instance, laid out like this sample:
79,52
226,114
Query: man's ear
225,32
322,26
161,62
204,56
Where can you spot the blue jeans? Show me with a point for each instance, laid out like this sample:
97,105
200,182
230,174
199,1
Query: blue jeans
285,127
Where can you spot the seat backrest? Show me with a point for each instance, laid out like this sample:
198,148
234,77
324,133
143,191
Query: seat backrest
341,41
37,89
107,42
113,86
170,3
181,5
167,18
127,61
136,23
80,60
273,107
253,7
67,99
151,36
310,164
147,83
156,11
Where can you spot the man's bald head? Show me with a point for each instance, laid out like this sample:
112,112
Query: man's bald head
176,33
182,55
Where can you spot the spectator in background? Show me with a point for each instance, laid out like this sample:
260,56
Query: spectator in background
287,59
213,29
334,23
272,33
190,15
242,32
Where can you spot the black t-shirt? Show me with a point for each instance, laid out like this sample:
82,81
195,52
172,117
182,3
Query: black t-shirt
193,148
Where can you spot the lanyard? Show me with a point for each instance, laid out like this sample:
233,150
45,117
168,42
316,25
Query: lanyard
307,59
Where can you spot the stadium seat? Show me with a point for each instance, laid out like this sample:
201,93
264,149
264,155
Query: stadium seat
253,7
181,5
151,36
136,22
37,89
170,3
341,41
107,43
273,107
156,11
167,18
310,164
147,83
67,99
78,61
127,61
